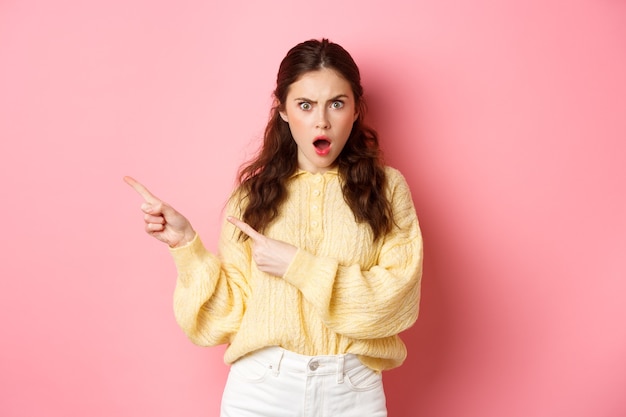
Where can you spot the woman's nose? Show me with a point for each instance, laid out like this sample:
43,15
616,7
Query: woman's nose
322,120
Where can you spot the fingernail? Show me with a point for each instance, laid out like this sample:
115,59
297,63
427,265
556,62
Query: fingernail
146,207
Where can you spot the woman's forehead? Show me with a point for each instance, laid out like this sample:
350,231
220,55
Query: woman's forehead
325,82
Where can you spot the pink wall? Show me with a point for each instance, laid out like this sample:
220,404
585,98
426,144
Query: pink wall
507,118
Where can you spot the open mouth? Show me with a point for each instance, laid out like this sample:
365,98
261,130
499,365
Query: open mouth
322,146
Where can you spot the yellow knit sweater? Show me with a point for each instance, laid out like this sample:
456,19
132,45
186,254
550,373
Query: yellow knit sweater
342,293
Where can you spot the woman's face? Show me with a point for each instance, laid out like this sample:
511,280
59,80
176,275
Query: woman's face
320,110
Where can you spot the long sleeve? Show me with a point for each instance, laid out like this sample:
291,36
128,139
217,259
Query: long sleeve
211,291
376,302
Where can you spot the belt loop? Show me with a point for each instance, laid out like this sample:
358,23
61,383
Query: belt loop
340,366
276,365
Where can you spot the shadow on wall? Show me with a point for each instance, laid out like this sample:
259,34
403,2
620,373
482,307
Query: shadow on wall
394,103
411,387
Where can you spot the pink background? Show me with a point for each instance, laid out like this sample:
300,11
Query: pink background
508,120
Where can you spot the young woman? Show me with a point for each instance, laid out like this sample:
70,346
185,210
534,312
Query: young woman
320,256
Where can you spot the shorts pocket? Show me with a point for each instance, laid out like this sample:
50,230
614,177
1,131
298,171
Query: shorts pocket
363,378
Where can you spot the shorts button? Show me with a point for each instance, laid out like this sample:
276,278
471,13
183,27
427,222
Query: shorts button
314,365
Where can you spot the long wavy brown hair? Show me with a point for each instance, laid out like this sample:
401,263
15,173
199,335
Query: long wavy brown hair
263,179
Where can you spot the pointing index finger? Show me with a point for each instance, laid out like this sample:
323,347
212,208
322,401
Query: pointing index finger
141,190
244,227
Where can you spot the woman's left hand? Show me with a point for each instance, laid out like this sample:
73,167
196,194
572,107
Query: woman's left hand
270,255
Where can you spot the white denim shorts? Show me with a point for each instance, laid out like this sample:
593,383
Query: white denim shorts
274,382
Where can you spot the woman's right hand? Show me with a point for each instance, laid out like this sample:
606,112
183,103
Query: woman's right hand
162,221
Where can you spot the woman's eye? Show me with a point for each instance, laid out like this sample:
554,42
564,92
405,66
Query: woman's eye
305,106
337,104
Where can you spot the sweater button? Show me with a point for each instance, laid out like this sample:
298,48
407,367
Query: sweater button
314,365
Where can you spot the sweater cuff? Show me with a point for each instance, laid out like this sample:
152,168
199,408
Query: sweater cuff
307,271
188,256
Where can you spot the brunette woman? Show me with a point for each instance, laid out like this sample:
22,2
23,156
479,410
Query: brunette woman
320,256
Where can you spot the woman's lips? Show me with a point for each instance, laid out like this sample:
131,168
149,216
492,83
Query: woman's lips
322,146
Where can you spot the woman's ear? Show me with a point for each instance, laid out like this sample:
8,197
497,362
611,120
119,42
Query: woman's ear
283,115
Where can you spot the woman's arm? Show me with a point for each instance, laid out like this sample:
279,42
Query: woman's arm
211,291
378,302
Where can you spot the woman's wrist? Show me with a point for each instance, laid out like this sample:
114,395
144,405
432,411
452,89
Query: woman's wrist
188,236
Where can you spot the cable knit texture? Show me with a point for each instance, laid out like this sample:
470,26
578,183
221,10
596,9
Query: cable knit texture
342,293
